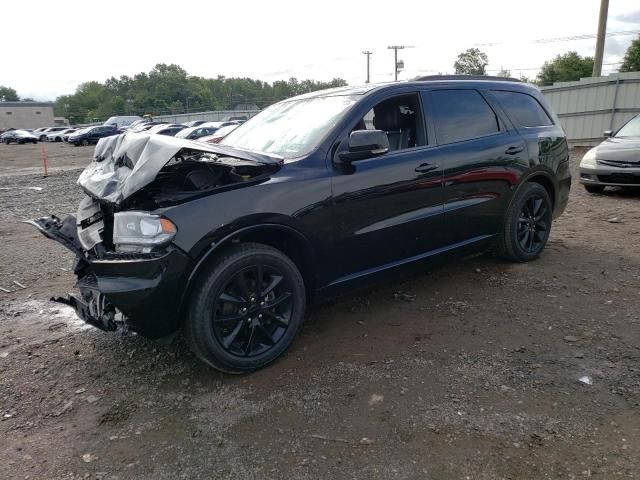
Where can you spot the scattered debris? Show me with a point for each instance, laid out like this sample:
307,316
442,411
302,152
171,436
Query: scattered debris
4,354
587,380
329,439
570,339
81,390
375,398
614,220
92,399
5,290
404,297
87,458
19,284
365,441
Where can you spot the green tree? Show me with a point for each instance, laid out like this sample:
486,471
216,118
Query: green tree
631,62
565,68
471,62
8,94
170,89
504,73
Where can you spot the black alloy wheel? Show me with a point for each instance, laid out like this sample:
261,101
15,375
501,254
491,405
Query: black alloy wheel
533,224
253,311
527,224
246,309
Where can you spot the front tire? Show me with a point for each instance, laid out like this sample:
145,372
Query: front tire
594,188
246,310
85,143
527,224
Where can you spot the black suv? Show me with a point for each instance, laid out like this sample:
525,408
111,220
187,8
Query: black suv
229,242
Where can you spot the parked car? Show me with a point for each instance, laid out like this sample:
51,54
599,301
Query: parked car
122,122
65,136
59,135
91,135
615,162
144,126
219,134
39,131
166,129
44,134
193,133
194,123
314,195
18,136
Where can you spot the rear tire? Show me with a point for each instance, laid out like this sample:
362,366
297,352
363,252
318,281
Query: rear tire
236,324
527,224
594,188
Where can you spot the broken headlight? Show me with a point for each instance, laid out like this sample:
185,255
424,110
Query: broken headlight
139,232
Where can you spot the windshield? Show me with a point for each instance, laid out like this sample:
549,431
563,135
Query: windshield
290,129
631,129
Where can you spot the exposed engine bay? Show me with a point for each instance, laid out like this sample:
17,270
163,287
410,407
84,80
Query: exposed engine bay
130,178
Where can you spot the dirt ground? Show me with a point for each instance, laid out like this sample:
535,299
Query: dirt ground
472,372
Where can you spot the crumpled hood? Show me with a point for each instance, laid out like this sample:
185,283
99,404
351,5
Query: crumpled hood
123,164
619,149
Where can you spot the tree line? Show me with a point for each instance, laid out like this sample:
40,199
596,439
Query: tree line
563,68
170,89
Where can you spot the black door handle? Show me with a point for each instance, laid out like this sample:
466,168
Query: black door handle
425,167
513,150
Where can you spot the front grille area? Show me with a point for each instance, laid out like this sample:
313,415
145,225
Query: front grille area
620,163
621,178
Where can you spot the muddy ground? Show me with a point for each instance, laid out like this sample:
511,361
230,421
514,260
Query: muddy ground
476,378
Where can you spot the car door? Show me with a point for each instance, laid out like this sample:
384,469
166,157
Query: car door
482,159
387,210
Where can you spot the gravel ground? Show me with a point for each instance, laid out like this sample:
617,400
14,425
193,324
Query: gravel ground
477,376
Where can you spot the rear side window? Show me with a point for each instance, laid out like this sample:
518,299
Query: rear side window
523,109
462,115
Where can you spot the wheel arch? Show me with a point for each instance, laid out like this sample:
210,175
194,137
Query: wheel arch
284,238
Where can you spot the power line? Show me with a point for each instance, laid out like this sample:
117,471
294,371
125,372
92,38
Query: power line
585,36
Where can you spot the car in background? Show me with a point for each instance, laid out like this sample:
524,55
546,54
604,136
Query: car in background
194,123
65,136
194,133
38,131
91,135
168,129
58,136
144,126
615,162
122,122
18,136
219,134
43,135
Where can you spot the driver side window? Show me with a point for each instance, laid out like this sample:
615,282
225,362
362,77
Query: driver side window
400,118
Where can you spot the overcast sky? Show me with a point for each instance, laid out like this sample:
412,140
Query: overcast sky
51,47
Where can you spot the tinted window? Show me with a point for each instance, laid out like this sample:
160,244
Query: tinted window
523,109
461,115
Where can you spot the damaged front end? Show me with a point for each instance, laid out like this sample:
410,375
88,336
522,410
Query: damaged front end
129,271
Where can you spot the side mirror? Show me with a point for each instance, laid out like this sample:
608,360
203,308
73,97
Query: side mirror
607,133
365,144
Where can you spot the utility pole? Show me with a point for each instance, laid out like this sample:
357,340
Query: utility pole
368,54
395,49
602,30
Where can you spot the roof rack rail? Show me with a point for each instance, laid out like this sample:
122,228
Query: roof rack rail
465,77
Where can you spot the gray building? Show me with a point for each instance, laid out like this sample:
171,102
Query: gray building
26,115
591,105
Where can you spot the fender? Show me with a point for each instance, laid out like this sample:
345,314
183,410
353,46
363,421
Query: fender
538,171
217,245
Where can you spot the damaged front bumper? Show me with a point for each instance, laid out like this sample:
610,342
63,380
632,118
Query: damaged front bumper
146,289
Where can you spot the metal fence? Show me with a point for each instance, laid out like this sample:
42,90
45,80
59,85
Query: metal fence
588,107
213,116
